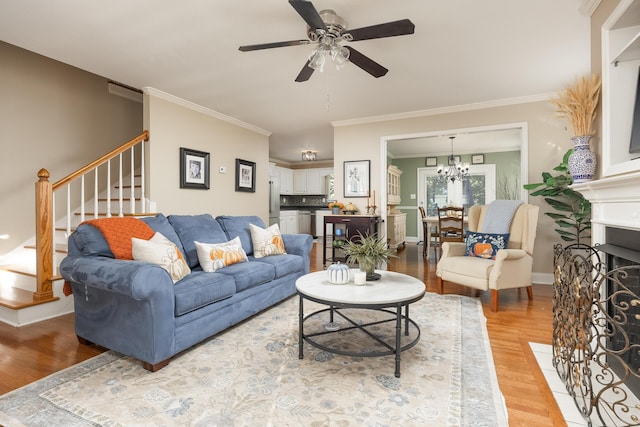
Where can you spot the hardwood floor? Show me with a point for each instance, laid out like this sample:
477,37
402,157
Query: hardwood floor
35,351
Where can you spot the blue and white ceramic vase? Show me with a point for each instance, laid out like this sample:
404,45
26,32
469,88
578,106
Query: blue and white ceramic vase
582,162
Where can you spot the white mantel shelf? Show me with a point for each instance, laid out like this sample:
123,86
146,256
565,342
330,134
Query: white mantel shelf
615,201
620,188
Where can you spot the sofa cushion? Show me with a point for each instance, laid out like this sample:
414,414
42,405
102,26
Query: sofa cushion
249,274
202,228
163,252
160,224
239,226
214,256
90,241
199,289
283,264
266,241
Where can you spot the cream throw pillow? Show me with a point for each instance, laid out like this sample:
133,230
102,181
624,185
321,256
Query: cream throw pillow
163,252
214,256
266,241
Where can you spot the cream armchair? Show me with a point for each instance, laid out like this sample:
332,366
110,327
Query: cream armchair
511,268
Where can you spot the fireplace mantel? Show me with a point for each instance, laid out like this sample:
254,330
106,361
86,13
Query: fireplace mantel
615,201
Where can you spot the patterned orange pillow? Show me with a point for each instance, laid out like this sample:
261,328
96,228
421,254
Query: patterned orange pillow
266,241
214,256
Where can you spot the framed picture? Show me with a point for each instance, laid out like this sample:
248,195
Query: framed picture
455,160
356,178
431,161
245,176
194,169
477,159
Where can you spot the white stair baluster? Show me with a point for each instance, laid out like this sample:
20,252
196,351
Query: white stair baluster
143,203
132,208
108,188
120,201
95,193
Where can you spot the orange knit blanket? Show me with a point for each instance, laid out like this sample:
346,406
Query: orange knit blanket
118,232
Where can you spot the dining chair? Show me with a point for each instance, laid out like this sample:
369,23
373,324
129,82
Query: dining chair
451,224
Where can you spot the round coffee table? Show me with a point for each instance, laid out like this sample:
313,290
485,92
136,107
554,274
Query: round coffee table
393,290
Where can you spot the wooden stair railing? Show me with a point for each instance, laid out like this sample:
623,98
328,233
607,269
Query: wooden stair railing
45,206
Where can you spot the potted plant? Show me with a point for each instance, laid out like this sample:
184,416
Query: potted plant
368,251
574,211
335,207
578,103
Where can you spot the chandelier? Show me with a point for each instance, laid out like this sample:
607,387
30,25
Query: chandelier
309,155
328,48
456,171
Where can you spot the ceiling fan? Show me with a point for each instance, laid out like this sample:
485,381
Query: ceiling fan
327,29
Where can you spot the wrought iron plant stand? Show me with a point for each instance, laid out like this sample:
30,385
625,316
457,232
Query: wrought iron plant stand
594,353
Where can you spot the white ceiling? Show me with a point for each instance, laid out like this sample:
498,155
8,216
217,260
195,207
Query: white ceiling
462,52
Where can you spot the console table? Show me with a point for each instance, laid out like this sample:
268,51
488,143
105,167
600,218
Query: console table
350,226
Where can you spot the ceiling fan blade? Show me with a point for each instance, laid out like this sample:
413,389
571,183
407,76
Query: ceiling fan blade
389,29
305,73
366,63
251,47
309,14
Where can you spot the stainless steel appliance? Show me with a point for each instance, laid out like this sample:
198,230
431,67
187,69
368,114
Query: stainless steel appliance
274,200
304,222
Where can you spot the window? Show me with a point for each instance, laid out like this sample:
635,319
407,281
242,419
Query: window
479,189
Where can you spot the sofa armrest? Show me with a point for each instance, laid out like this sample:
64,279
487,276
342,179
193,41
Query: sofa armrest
450,249
135,279
126,306
299,244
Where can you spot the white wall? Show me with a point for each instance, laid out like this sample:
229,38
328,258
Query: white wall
175,123
548,141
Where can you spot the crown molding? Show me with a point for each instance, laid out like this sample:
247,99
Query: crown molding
204,110
444,110
587,7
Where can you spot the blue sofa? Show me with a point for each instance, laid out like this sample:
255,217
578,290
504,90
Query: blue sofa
134,307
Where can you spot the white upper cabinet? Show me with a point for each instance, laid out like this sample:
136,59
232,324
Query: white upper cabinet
286,181
310,181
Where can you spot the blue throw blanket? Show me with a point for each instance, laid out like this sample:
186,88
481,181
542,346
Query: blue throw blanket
499,215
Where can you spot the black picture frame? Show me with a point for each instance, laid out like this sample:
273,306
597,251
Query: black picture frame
245,176
431,161
477,159
357,180
194,169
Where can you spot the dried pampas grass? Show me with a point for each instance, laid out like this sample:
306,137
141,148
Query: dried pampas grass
578,104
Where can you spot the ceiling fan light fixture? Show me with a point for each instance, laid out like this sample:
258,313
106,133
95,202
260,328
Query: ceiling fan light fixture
318,58
339,55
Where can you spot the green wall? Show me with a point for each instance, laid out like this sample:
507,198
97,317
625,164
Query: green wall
507,180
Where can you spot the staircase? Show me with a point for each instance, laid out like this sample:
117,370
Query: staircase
30,285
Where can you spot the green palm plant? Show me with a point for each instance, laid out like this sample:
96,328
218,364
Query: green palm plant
573,218
368,251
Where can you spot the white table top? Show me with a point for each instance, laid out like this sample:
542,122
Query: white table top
392,288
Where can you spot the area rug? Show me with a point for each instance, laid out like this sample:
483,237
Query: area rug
251,375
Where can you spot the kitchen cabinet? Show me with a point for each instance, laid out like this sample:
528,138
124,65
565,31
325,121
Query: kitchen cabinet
397,229
320,214
286,181
346,227
310,181
289,222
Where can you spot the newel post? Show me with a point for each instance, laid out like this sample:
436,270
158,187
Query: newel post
44,237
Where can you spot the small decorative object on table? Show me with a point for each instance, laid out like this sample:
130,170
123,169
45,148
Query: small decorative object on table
350,209
339,273
335,207
368,251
